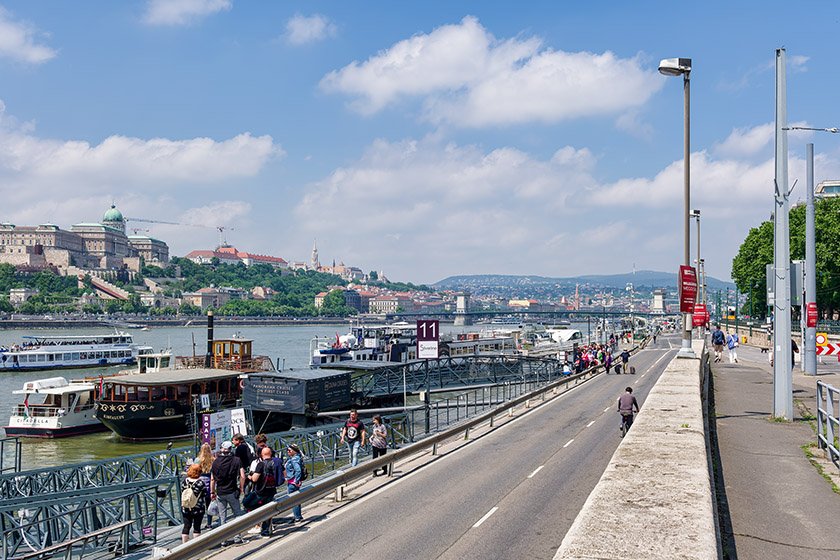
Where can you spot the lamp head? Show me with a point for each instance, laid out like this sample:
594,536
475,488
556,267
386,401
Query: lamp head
674,66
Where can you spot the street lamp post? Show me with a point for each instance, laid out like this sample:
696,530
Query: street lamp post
682,67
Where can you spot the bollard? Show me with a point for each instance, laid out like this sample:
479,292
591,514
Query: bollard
434,448
491,421
390,470
339,493
467,434
510,412
528,403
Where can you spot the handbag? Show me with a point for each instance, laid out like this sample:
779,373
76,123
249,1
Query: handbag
213,508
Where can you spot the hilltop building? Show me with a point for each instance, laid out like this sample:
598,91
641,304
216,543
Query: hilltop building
102,246
230,255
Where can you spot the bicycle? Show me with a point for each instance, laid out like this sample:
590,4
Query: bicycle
626,422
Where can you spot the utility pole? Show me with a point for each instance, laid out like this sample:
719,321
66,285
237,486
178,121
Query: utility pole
782,370
809,342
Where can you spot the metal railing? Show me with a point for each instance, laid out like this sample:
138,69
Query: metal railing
92,522
828,425
10,455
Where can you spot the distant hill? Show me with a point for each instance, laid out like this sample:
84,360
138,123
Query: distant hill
640,279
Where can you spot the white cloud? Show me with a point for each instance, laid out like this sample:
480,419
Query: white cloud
72,170
470,78
301,29
19,41
182,12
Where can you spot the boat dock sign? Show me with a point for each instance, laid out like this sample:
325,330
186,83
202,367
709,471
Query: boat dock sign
428,334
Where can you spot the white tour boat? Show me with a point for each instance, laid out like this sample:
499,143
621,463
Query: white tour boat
54,408
76,351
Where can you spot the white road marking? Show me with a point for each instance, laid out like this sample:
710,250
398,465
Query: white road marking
607,409
486,515
591,422
538,469
569,443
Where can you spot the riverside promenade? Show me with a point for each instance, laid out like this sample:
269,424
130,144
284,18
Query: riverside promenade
774,501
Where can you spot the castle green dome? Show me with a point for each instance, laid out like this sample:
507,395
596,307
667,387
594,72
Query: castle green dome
112,215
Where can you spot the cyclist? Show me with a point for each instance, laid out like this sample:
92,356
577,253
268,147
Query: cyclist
625,357
626,404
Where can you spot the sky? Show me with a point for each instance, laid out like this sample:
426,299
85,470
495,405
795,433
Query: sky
421,140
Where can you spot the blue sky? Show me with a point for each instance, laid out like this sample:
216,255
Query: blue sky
429,140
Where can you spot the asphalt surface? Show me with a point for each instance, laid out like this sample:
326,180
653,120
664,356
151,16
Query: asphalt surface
774,502
513,490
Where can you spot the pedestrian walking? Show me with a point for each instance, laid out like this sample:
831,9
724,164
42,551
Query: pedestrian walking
294,472
205,461
379,441
732,345
227,482
193,502
353,433
718,340
243,450
625,357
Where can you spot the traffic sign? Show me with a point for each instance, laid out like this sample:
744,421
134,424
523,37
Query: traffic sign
822,339
828,349
428,333
811,315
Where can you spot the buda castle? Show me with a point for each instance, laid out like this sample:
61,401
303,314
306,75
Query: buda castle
91,246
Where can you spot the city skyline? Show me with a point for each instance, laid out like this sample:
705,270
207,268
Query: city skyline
431,141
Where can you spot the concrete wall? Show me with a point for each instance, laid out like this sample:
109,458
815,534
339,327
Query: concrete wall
654,500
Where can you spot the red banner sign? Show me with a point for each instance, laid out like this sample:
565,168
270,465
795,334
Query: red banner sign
688,288
699,316
812,316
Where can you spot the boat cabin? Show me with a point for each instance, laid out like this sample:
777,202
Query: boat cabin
54,397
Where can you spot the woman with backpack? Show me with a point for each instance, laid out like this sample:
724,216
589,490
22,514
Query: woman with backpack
294,475
205,460
193,502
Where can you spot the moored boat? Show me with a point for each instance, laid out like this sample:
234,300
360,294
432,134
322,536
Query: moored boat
163,404
54,408
70,351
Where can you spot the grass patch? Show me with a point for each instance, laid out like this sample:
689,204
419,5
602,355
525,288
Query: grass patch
812,459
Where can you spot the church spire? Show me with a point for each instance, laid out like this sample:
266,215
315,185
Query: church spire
316,264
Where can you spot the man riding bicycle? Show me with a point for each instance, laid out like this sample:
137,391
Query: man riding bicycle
626,404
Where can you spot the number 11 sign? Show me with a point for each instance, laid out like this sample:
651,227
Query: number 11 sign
427,339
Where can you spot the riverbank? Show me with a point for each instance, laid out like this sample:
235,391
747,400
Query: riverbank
153,322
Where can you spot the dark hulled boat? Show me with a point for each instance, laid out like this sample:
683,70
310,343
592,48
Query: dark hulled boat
158,405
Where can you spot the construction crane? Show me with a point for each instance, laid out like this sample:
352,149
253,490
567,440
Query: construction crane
136,229
221,229
223,242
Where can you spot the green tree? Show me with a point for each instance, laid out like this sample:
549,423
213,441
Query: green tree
373,275
749,265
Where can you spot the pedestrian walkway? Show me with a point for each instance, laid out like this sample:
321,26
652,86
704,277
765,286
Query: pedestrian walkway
779,505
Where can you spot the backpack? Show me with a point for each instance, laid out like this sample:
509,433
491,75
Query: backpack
304,474
717,337
269,470
189,498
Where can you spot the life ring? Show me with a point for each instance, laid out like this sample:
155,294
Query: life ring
241,384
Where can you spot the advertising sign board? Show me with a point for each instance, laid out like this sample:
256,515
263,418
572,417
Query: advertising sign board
688,288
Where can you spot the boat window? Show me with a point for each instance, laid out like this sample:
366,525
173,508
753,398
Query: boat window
75,356
169,392
131,394
164,362
42,357
234,349
142,394
119,393
50,357
68,357
210,387
183,392
195,389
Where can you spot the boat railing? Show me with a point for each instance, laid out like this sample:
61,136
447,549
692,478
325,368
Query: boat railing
45,410
254,363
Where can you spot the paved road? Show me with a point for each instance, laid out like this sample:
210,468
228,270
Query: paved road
513,491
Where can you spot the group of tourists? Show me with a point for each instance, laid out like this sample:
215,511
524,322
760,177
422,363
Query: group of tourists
240,472
214,484
593,355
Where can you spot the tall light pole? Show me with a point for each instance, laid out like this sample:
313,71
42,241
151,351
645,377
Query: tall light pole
682,67
782,368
